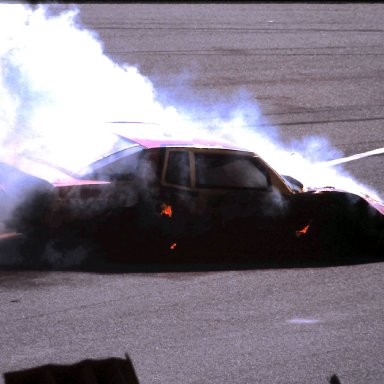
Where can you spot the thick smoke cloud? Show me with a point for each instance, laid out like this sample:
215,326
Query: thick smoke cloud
58,88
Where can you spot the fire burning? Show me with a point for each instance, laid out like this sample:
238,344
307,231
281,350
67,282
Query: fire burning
166,210
303,231
173,246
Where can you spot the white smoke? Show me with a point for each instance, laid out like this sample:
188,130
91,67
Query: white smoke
57,88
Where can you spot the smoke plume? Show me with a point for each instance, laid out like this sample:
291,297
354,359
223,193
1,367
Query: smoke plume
57,88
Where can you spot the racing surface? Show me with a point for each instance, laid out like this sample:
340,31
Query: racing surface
313,69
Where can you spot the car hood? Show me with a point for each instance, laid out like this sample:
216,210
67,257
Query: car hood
377,204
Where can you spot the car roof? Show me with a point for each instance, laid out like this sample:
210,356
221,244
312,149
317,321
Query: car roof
135,132
196,143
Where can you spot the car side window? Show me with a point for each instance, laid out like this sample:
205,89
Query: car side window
230,171
178,168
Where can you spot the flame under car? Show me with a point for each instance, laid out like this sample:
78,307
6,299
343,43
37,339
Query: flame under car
161,200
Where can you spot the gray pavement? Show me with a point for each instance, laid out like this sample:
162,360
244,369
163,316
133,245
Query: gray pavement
312,69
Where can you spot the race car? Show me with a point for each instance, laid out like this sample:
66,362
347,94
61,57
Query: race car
161,199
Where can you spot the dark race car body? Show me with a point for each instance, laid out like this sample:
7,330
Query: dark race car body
159,200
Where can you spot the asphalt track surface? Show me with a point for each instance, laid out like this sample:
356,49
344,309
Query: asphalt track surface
314,69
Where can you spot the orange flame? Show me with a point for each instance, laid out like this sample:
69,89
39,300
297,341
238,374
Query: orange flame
173,246
166,210
302,231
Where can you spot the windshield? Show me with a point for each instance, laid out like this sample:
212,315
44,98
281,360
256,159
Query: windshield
118,163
